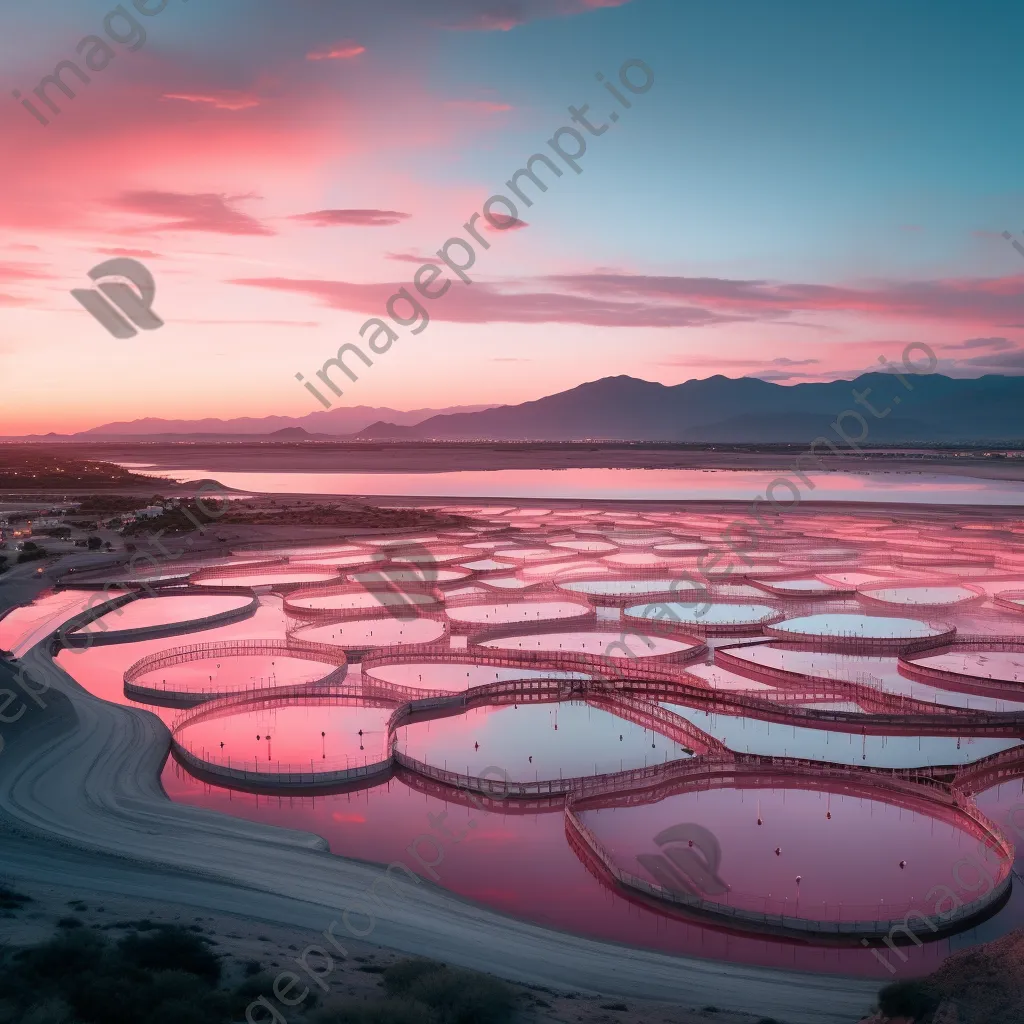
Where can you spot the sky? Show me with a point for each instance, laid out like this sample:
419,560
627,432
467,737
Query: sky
793,191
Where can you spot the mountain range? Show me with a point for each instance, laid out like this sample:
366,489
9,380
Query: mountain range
726,410
715,410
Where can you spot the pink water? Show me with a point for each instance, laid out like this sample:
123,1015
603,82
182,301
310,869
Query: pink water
522,862
650,484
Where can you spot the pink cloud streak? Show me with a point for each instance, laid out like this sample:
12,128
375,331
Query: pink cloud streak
219,101
208,211
340,51
487,303
352,218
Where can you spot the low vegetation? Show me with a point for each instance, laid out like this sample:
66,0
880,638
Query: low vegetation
111,504
178,519
29,467
81,977
425,992
980,985
165,974
10,899
57,532
914,999
31,552
248,513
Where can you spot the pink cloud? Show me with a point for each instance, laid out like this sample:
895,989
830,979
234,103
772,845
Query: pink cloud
138,254
340,51
976,299
352,218
486,303
411,257
490,22
253,323
172,146
507,16
208,211
627,300
721,362
219,101
478,106
22,272
516,225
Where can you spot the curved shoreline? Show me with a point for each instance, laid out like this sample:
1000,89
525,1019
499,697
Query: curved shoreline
82,786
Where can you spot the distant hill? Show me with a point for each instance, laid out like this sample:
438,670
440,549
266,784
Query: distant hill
339,422
726,410
381,431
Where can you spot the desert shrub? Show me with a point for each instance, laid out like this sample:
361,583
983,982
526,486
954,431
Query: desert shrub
171,949
179,996
78,977
400,977
388,1011
113,998
72,953
53,1011
254,986
12,900
456,996
907,999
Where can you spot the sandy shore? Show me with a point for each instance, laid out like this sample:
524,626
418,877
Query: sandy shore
82,807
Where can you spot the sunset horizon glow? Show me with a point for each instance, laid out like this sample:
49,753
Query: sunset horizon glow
750,215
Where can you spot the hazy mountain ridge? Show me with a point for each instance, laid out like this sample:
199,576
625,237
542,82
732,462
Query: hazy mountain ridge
333,422
714,410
